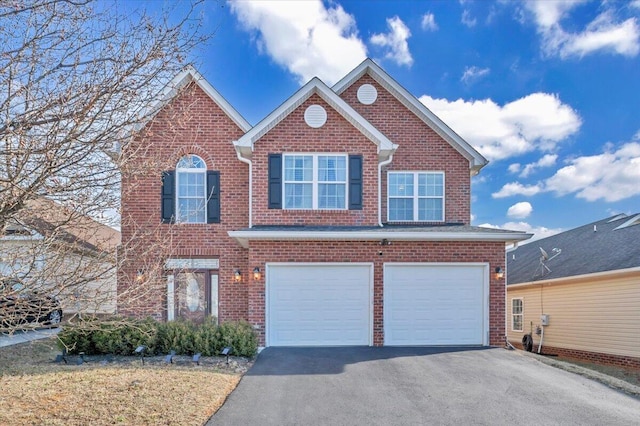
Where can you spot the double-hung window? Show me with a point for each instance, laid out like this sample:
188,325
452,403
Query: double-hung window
517,314
315,181
191,184
416,196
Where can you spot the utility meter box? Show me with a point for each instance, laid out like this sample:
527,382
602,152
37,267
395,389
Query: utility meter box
544,319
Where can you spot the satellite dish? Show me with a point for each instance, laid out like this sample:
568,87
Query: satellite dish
545,256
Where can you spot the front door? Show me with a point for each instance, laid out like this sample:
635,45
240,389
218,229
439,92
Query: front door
192,291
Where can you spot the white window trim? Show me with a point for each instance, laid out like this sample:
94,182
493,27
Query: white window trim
315,182
415,197
521,314
177,192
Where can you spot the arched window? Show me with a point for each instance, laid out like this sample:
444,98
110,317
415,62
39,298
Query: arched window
191,190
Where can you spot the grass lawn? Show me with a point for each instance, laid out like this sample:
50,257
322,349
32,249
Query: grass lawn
36,390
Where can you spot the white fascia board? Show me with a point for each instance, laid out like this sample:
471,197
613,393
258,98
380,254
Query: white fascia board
316,86
243,237
476,160
184,77
582,277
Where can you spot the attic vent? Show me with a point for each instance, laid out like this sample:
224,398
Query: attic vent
315,116
367,94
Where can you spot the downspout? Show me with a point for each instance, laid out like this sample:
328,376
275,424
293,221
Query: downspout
380,166
247,161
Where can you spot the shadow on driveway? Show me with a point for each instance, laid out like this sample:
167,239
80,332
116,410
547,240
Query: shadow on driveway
333,360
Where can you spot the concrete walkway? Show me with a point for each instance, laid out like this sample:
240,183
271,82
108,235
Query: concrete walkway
27,336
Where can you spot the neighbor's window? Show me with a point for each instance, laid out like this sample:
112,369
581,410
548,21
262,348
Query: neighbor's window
416,196
516,314
315,181
191,184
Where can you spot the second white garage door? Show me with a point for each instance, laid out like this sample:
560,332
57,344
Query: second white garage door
435,304
319,304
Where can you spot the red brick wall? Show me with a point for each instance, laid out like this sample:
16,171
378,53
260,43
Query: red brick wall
420,149
262,252
191,124
293,135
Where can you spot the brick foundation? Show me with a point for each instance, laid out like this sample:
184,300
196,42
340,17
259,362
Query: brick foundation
579,355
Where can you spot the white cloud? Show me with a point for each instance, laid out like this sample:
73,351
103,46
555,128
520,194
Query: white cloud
514,168
395,41
520,210
429,22
467,19
610,176
473,73
604,33
537,121
304,37
516,188
635,4
547,160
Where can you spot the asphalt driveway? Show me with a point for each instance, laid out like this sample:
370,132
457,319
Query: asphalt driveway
417,386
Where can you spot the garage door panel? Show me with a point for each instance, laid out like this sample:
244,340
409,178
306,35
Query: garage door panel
318,305
434,304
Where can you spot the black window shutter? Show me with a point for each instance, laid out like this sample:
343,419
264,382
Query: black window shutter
213,192
355,182
275,181
168,202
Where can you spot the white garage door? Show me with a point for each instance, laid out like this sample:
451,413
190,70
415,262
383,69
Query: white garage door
319,305
435,304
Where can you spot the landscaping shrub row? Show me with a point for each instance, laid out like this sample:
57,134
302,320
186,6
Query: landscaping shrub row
120,336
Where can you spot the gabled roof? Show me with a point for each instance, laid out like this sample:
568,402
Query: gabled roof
605,245
42,217
368,66
186,76
244,145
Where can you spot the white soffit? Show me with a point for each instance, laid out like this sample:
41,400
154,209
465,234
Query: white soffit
243,237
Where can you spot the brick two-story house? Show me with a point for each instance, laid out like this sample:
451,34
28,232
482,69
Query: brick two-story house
341,218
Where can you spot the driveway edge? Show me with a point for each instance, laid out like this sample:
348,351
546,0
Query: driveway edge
605,379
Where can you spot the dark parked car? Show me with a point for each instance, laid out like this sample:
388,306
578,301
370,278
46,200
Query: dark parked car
18,306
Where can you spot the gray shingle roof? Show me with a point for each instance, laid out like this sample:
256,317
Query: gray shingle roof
596,247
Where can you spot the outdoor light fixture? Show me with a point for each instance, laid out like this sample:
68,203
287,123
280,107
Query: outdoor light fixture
499,272
237,275
140,275
256,273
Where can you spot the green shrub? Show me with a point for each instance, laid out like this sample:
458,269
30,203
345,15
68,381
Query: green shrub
240,336
122,337
116,336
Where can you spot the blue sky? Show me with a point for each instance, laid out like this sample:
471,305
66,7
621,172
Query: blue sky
548,91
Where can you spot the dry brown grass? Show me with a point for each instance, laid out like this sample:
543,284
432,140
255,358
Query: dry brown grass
36,391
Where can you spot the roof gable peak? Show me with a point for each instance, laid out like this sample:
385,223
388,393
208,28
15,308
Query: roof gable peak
181,80
244,145
368,66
